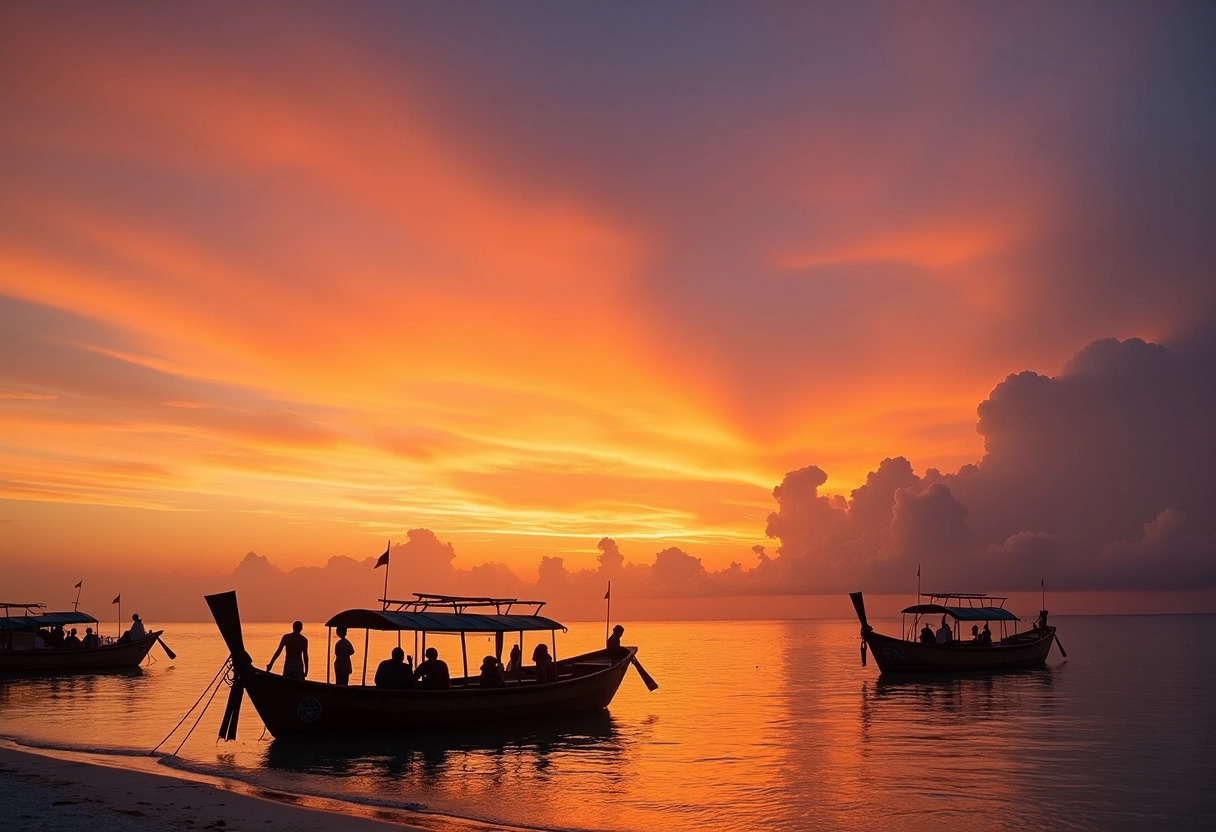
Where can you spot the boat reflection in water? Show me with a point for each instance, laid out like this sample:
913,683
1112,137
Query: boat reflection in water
428,756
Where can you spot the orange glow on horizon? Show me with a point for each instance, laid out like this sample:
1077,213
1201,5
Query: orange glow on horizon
302,284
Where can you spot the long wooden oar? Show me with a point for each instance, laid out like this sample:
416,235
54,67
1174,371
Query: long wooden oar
1061,646
168,652
651,684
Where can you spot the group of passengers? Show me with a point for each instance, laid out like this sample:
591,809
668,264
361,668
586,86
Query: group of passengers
56,639
944,636
398,672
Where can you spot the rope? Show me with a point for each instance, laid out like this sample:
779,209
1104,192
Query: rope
227,663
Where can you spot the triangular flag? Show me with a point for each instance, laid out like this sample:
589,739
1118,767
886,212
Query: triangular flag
117,598
78,585
383,561
608,594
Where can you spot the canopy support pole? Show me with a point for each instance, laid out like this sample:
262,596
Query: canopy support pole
464,655
329,646
366,643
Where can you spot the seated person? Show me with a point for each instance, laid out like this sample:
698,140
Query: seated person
926,635
546,671
516,663
394,673
491,673
90,638
944,636
432,674
137,630
71,640
614,640
986,636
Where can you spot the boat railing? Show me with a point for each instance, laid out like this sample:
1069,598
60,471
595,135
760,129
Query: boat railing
974,600
423,601
28,608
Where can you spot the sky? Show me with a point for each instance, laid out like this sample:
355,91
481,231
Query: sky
708,299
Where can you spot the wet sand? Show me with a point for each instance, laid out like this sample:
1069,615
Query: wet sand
60,790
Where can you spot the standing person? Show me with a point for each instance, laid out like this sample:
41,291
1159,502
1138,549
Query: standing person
343,650
137,630
295,663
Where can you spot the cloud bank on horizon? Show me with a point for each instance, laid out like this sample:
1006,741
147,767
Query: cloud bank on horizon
1103,477
290,279
1100,478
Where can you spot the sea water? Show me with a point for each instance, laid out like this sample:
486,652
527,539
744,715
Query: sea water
771,725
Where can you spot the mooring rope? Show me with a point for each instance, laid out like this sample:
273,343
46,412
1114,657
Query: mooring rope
223,668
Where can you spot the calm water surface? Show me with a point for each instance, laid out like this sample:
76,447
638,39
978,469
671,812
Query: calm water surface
756,726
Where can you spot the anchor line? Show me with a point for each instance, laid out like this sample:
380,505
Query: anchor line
221,672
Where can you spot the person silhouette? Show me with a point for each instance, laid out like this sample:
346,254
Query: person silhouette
614,640
926,635
491,673
394,673
343,650
295,663
90,638
545,671
137,630
432,674
71,640
944,636
516,662
986,636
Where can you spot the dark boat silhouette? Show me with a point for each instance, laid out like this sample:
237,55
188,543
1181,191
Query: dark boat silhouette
1008,650
20,651
292,707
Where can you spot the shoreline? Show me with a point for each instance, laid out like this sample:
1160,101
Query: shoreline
51,788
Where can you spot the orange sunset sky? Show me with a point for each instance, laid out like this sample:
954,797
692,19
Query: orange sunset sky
551,293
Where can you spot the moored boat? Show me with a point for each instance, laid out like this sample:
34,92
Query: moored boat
24,649
1007,649
579,684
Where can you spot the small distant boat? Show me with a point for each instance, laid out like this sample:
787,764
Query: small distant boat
23,649
290,707
1008,648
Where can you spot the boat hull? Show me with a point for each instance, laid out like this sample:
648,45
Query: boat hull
895,655
293,707
117,656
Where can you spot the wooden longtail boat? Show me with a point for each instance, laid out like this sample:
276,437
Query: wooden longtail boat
1008,649
291,707
19,653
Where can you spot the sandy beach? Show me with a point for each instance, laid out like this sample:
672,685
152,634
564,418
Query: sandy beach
59,790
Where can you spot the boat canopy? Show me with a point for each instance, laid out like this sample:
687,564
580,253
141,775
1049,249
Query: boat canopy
46,619
441,622
963,613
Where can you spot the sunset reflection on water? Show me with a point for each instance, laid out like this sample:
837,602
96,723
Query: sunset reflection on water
755,725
